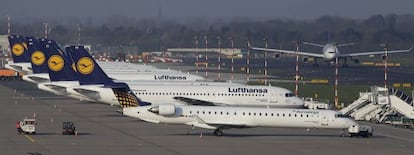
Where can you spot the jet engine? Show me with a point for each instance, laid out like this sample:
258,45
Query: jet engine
163,109
277,56
305,59
356,60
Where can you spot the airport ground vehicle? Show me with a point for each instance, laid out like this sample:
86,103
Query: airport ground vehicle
6,74
68,128
28,126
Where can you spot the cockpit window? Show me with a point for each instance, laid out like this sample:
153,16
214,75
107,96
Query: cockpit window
289,94
342,116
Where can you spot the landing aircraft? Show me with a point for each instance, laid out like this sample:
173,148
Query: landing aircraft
218,118
203,94
329,53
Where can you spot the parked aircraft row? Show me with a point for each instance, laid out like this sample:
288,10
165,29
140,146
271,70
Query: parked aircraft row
218,106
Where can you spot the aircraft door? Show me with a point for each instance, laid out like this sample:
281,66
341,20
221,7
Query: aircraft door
324,120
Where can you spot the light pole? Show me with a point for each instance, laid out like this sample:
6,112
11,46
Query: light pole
265,60
46,29
385,45
248,62
206,63
219,58
232,58
196,55
297,69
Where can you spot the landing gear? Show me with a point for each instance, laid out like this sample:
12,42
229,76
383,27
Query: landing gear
218,133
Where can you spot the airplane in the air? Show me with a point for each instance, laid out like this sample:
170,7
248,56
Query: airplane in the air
329,53
218,118
28,57
194,94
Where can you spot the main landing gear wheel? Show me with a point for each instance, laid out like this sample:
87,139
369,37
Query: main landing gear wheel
218,133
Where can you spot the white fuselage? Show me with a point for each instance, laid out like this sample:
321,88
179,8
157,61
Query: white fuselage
235,95
330,52
217,93
227,117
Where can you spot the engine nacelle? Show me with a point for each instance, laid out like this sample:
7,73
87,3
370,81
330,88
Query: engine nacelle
305,59
356,60
163,109
277,55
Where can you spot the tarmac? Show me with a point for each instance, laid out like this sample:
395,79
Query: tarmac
103,131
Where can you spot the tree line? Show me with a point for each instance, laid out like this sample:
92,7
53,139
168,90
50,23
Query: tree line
137,35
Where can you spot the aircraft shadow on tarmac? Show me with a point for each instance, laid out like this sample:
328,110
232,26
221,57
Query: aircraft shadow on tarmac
55,133
257,135
270,135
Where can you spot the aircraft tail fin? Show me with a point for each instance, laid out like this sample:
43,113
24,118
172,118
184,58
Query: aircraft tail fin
88,71
18,46
59,68
37,55
126,98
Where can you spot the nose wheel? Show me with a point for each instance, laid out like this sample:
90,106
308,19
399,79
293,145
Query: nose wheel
218,133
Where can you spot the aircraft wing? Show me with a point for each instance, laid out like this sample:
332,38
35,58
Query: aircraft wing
208,124
374,53
89,93
57,88
288,52
193,101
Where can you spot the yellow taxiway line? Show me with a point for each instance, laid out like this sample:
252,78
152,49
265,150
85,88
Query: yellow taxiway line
29,138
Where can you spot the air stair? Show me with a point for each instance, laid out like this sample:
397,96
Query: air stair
380,104
402,103
362,101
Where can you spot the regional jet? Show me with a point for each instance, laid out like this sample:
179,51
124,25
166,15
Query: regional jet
219,118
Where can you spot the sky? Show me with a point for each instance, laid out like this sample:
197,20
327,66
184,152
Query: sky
268,9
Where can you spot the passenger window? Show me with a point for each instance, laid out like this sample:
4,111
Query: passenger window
289,115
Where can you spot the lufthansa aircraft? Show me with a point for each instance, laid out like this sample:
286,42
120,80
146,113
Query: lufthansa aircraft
89,74
28,55
329,53
221,117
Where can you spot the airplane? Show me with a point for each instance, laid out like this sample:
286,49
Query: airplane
19,54
329,53
218,118
195,94
24,61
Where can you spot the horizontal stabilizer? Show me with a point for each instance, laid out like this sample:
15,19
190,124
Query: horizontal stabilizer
192,101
